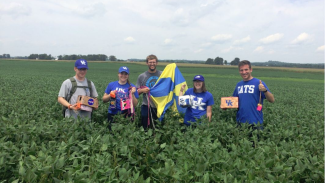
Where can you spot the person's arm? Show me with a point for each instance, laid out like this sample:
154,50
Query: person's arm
65,103
143,90
106,98
181,91
209,112
268,95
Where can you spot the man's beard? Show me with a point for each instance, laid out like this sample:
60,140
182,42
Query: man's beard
152,69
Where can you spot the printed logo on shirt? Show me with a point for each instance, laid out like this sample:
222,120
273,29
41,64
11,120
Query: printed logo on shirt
246,89
151,81
121,92
198,104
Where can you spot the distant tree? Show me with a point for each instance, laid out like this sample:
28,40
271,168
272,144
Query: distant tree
112,58
33,56
209,61
225,62
218,61
6,55
235,61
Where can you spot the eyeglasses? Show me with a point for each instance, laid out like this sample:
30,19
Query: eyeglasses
152,63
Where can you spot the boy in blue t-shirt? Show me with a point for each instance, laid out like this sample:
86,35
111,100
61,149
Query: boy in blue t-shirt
250,92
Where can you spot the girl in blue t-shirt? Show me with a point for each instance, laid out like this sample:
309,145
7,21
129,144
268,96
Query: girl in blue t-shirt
117,92
202,101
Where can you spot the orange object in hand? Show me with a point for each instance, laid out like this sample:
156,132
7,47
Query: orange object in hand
78,105
112,94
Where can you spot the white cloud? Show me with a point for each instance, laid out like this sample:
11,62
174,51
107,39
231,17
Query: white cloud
230,49
320,49
171,29
271,52
302,38
129,39
244,40
168,41
206,45
15,9
89,10
271,38
221,37
198,51
259,49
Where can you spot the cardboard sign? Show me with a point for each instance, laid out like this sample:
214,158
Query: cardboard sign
87,101
229,102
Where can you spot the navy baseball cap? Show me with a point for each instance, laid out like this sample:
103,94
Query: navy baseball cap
81,64
123,69
198,78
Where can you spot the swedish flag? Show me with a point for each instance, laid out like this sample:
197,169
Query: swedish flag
166,90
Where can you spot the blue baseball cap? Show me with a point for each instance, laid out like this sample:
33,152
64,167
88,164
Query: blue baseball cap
81,64
123,69
198,78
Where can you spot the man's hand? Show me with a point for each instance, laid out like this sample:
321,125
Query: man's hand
261,87
74,107
145,90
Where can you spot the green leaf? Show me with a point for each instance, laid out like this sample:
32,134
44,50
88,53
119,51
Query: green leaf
163,145
60,163
22,171
104,147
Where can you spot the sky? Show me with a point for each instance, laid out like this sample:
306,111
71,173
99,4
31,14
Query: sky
255,30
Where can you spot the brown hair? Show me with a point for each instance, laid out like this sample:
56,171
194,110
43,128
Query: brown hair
150,57
128,81
204,89
244,62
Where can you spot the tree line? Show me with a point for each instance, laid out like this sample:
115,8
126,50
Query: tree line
216,61
90,57
220,61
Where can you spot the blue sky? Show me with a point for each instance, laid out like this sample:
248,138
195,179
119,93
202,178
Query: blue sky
259,31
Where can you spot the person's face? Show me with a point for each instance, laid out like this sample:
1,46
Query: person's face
245,72
152,64
123,76
198,84
81,73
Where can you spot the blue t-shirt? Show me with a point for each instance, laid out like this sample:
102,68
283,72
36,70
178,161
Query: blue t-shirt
122,92
199,107
248,97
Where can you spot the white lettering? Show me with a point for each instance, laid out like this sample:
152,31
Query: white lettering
248,89
198,104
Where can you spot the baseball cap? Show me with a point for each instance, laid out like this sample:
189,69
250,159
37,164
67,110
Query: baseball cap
81,64
123,69
198,78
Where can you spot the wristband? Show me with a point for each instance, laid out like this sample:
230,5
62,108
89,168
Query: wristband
265,91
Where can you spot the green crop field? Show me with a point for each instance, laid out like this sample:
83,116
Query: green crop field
38,145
